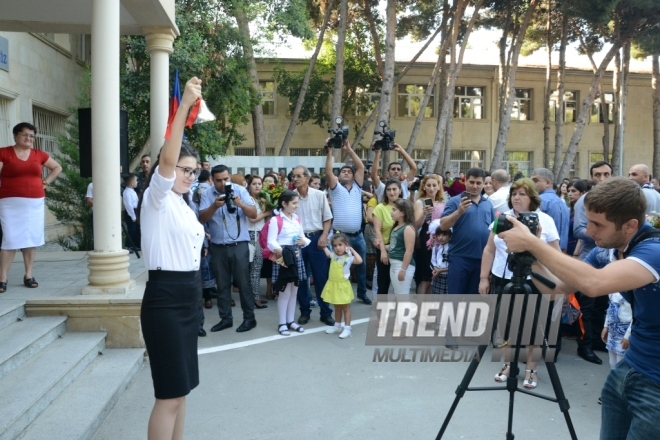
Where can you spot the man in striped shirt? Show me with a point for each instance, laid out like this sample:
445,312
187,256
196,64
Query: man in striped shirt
346,195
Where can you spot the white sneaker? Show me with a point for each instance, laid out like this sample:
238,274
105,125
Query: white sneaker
345,333
333,329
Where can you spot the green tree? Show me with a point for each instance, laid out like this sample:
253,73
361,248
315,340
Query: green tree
66,195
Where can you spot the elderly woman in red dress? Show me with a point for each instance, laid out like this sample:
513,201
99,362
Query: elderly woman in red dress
22,193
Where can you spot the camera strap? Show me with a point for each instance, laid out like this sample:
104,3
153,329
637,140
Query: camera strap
651,233
238,225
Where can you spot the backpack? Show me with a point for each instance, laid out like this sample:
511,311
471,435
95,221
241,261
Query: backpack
263,235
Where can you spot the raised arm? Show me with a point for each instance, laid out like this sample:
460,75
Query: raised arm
169,154
375,169
330,178
357,163
409,160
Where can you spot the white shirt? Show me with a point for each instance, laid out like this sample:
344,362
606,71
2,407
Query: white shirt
313,210
500,199
291,228
256,226
90,193
130,199
172,238
405,192
437,259
548,234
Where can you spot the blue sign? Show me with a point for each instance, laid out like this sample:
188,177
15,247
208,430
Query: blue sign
4,54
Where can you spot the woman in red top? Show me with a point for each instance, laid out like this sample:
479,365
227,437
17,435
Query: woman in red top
22,193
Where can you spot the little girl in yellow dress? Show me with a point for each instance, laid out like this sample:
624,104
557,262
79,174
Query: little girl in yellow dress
338,290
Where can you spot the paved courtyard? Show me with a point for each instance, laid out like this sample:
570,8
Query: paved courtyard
259,385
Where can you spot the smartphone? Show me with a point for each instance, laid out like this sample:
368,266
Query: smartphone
428,202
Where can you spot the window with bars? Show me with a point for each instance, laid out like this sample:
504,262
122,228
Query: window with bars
409,101
517,161
597,157
421,154
571,99
49,125
462,160
267,90
469,102
571,173
247,151
307,152
6,137
600,108
522,105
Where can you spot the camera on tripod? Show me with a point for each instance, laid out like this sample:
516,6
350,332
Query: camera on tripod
529,219
386,142
339,134
229,198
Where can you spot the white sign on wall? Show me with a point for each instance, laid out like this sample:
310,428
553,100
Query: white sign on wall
4,54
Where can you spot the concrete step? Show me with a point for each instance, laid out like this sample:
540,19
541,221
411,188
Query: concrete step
28,390
83,406
10,312
21,340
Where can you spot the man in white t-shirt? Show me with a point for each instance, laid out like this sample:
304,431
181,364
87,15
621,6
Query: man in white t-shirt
500,198
89,197
393,172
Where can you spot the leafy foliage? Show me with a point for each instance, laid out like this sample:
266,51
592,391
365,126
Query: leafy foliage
66,195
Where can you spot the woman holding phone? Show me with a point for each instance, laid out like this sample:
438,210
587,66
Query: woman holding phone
429,206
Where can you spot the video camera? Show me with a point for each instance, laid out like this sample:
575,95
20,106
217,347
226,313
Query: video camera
339,135
414,186
529,219
386,142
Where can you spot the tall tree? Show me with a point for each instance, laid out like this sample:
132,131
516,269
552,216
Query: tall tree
559,103
338,92
644,47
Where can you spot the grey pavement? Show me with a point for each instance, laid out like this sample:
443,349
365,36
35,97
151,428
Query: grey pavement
259,385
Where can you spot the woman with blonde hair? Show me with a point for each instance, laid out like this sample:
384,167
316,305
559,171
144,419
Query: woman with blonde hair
429,206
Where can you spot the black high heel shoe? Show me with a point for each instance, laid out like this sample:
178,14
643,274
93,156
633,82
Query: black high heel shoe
260,306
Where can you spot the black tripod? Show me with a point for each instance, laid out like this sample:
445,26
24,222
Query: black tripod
521,266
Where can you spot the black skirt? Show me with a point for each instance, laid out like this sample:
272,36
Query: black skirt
422,256
170,320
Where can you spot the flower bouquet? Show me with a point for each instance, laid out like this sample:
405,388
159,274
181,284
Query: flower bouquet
270,195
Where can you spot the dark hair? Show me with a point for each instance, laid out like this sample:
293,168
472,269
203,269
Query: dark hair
392,163
186,151
20,126
204,176
146,155
127,177
286,196
439,232
219,169
340,236
580,185
350,167
313,176
475,172
620,199
530,187
599,164
406,207
389,182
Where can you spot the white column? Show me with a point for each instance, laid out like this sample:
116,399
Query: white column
108,263
159,45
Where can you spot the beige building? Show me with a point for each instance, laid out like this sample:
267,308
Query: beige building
476,121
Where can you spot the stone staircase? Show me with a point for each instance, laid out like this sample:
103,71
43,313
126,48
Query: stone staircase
53,384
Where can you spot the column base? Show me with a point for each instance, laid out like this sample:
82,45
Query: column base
108,273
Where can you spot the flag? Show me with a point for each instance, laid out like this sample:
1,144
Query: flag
175,100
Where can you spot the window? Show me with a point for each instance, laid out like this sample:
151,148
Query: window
267,90
597,157
49,126
365,102
82,47
571,173
517,161
570,105
462,160
307,152
421,154
469,102
5,125
598,109
244,151
522,105
409,101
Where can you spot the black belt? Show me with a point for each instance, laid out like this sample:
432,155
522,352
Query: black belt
313,234
229,244
350,234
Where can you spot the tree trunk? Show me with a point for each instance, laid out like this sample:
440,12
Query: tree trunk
338,92
505,115
257,112
385,103
548,76
446,159
559,106
374,36
438,142
656,116
584,114
305,84
616,92
617,149
605,112
502,68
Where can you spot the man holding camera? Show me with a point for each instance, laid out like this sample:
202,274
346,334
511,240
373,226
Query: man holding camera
626,260
346,195
225,208
393,172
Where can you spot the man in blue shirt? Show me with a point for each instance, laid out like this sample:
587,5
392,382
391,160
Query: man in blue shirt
616,211
230,254
551,204
469,214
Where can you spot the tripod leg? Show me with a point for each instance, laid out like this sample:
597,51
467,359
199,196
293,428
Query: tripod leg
561,398
462,387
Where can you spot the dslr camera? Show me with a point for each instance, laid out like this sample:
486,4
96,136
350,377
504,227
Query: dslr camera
414,186
338,135
229,198
386,142
529,219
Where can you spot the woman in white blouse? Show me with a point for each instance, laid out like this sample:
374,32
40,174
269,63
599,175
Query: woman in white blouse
291,234
172,240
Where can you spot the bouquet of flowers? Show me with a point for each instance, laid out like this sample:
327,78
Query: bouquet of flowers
270,195
654,219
